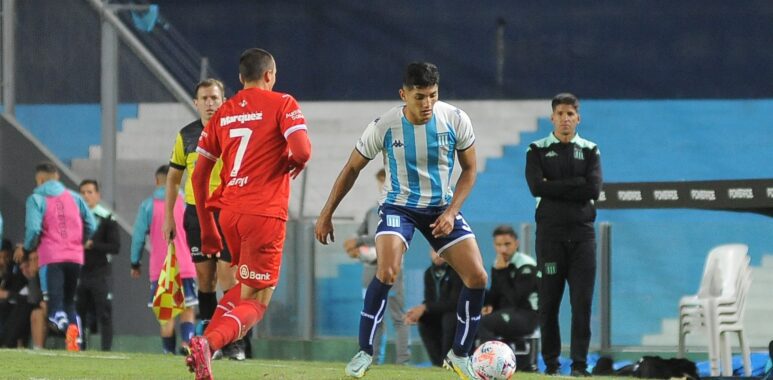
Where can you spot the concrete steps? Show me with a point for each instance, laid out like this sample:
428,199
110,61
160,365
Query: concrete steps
146,142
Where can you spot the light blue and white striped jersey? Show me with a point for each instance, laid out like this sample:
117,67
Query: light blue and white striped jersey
418,159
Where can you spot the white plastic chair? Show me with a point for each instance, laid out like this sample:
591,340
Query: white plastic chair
718,306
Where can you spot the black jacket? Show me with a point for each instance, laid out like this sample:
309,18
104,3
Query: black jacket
566,179
107,240
514,285
441,290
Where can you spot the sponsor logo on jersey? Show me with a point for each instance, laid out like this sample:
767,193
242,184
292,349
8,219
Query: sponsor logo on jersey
551,268
770,192
243,103
295,115
240,181
551,154
241,118
247,274
398,144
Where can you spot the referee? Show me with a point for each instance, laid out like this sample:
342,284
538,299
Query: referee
563,171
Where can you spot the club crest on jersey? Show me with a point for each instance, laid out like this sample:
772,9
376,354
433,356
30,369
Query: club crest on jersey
393,221
443,139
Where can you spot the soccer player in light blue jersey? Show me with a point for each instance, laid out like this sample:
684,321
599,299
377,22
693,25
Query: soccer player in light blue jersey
420,142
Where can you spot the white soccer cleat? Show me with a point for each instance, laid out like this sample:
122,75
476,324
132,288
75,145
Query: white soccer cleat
462,365
359,365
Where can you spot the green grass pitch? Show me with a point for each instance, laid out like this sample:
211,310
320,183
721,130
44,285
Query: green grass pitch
55,364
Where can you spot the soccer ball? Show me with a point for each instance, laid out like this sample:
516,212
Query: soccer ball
493,360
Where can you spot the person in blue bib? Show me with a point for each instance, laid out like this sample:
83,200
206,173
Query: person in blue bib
420,142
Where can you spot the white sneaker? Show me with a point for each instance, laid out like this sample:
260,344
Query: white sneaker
462,365
359,364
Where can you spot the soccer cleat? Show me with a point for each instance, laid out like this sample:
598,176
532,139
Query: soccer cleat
58,323
235,351
199,359
71,338
462,365
359,364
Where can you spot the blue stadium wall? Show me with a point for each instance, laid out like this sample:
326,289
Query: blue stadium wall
356,50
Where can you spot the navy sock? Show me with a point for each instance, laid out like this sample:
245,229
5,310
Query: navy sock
467,319
167,343
186,331
207,304
372,313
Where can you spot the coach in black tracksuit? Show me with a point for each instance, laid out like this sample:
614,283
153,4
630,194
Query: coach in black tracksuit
564,173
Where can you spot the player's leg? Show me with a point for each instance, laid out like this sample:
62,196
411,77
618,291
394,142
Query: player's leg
86,306
188,316
581,277
226,273
550,262
103,310
368,273
390,248
52,285
205,266
73,338
465,258
167,337
256,242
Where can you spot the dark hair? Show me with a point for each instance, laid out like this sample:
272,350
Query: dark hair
7,245
381,173
46,167
421,75
89,182
505,230
254,62
209,82
162,170
565,98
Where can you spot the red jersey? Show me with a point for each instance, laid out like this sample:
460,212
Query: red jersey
249,132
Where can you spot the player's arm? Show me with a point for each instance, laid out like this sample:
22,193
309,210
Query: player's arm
210,237
141,228
444,224
300,152
591,187
543,187
173,179
343,184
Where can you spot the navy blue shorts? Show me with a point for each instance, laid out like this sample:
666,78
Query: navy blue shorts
402,221
189,290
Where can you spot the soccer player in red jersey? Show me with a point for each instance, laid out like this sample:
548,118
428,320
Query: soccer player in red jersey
260,135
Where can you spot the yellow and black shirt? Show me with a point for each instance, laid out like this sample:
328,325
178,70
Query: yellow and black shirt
184,156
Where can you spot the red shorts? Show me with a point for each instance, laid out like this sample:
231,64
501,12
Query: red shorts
256,244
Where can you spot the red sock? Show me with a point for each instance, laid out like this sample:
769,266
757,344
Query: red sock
230,299
234,324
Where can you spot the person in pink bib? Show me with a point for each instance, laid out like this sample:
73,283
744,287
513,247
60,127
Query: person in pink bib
149,223
57,224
